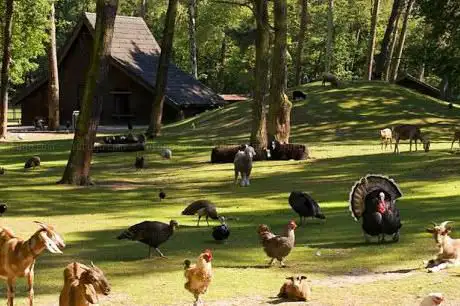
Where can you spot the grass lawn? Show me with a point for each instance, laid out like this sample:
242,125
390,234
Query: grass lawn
340,126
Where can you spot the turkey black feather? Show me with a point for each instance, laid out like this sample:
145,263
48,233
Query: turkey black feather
305,206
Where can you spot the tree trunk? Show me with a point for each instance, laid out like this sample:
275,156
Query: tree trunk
53,83
330,36
279,114
221,67
371,47
394,38
7,35
421,72
401,41
192,36
300,39
259,116
444,88
382,58
78,166
143,9
154,128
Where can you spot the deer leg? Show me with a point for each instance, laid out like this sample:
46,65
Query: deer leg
207,222
397,146
410,145
236,177
452,146
30,283
199,217
11,283
416,145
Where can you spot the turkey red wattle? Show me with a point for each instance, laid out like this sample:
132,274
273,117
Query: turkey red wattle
381,207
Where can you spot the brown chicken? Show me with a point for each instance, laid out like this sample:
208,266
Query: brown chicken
198,275
275,246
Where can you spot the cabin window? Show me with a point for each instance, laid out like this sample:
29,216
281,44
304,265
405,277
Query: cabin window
122,105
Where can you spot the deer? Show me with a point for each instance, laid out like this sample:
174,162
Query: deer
411,132
18,256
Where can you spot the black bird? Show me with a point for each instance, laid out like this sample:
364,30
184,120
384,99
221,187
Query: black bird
139,163
130,125
3,208
450,105
151,233
67,125
305,206
162,195
203,208
222,231
373,198
32,162
2,171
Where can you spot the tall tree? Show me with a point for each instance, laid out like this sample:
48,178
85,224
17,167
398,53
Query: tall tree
382,58
79,163
7,35
330,36
53,83
192,36
401,41
279,113
390,60
259,116
371,47
154,128
300,39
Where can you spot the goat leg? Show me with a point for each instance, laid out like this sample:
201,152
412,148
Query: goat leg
11,283
30,283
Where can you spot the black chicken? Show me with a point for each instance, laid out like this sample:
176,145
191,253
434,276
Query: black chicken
139,163
222,231
152,233
2,171
32,162
305,206
203,208
162,195
3,208
373,198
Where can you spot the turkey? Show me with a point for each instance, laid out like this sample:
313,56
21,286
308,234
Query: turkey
151,233
373,198
222,231
203,208
162,195
305,206
3,208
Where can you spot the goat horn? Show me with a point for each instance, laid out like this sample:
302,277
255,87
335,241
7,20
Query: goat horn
445,223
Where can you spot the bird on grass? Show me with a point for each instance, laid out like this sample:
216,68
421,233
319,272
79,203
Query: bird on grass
221,232
202,208
32,162
151,233
139,163
305,206
162,195
2,171
3,208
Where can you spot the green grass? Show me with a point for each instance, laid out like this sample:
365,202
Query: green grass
90,218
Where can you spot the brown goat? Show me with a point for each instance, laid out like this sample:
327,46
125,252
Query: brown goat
17,256
449,249
82,284
456,137
411,132
296,288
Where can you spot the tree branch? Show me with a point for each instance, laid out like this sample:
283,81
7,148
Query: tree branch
244,4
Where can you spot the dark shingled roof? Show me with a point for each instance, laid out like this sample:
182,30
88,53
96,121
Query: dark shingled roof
135,51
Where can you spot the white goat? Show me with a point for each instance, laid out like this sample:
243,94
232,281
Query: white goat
386,137
17,256
243,165
82,284
449,249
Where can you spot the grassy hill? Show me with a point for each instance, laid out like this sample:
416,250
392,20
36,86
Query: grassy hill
340,126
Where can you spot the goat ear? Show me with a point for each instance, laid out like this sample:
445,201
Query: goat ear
50,244
90,294
303,277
